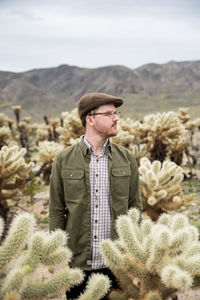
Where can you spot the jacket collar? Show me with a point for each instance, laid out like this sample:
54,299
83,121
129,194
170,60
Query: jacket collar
86,150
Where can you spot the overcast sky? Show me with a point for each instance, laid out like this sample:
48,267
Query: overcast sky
95,33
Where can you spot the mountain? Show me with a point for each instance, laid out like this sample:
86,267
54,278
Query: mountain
53,90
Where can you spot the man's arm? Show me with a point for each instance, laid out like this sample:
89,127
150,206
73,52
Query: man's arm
134,193
57,212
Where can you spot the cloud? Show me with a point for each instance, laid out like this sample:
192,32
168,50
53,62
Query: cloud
24,15
95,33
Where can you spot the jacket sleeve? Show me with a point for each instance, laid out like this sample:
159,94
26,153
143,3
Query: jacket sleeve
134,193
57,211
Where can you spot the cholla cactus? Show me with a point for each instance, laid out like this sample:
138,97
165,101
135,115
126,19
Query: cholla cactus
47,152
164,135
160,186
20,270
153,261
5,136
72,127
13,174
193,125
17,111
96,288
140,151
42,249
41,133
183,115
54,124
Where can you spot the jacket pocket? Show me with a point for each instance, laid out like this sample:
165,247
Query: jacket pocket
121,181
73,183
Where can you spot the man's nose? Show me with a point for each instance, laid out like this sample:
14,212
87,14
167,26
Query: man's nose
116,117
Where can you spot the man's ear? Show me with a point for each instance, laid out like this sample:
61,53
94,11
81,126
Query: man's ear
89,120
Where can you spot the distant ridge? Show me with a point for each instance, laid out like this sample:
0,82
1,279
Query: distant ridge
52,90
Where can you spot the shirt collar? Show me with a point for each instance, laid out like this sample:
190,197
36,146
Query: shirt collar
105,146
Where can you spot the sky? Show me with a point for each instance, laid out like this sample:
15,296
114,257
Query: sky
95,33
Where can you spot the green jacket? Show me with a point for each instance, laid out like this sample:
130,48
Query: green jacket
70,203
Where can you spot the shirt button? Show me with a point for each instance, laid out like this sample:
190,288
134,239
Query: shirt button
97,175
96,221
96,206
95,237
97,191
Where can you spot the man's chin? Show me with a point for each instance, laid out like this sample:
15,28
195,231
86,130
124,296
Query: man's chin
113,133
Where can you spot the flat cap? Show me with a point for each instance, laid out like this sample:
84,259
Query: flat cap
93,100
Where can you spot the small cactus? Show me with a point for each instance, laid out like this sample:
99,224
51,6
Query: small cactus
47,153
5,136
160,186
13,174
72,128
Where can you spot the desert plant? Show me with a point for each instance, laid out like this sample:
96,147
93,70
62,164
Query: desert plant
140,151
160,186
183,115
72,127
41,133
164,135
17,110
13,174
23,128
153,261
24,256
5,136
20,267
97,287
47,152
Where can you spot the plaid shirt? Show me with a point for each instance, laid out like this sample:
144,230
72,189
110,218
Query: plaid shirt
100,203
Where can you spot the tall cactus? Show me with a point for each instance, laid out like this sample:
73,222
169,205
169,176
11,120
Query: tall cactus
153,261
160,186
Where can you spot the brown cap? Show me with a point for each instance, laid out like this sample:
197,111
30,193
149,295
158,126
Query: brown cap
93,100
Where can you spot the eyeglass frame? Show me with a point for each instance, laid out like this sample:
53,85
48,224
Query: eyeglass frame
109,114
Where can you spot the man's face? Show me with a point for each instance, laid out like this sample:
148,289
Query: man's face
105,124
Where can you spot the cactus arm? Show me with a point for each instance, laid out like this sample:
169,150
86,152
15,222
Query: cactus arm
59,282
96,288
18,234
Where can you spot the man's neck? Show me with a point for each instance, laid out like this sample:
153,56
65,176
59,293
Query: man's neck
96,142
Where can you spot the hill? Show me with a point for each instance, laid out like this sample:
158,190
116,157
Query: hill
149,88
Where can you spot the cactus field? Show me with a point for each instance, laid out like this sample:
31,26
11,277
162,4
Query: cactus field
157,258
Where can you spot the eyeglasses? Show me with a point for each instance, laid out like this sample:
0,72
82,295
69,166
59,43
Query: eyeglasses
109,114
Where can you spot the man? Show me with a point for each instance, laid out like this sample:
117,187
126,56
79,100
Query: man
92,183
